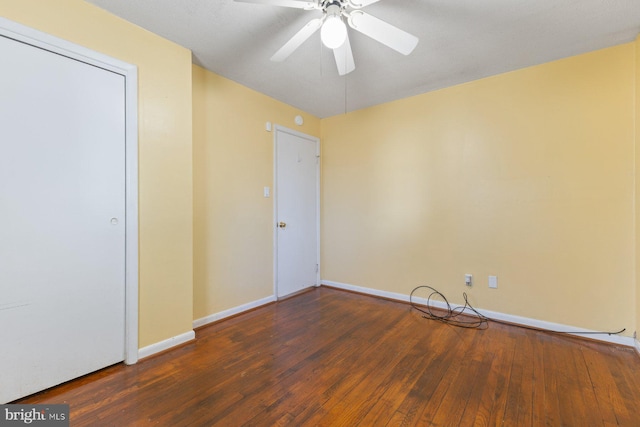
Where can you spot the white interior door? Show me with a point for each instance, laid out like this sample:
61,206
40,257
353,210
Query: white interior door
297,211
62,218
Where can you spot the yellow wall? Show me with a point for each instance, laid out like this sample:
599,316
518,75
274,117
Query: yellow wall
165,170
232,163
527,175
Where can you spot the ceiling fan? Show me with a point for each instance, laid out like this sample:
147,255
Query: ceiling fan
333,30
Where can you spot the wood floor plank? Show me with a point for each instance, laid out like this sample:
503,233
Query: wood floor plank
572,395
493,395
483,356
388,371
608,399
537,378
397,386
329,358
435,365
518,409
470,374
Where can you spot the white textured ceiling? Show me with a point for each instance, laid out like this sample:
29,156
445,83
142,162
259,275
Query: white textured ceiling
460,41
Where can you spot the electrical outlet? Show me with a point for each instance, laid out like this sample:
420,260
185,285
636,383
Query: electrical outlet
493,282
468,279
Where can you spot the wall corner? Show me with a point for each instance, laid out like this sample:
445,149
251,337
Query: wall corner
636,207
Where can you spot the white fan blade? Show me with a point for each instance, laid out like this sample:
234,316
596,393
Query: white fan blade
295,41
358,4
344,58
285,3
383,32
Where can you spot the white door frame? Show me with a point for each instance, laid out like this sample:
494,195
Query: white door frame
18,32
275,202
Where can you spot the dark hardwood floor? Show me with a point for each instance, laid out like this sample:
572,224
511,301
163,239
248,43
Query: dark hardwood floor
333,358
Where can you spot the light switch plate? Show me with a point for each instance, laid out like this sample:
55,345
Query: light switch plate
493,282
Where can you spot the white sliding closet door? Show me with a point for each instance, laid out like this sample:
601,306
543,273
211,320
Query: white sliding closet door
62,218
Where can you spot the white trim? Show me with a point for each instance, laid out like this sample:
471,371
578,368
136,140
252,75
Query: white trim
318,212
281,128
130,72
637,345
166,344
131,231
368,291
232,311
525,321
274,195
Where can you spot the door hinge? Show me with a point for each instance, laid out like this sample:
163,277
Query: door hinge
317,267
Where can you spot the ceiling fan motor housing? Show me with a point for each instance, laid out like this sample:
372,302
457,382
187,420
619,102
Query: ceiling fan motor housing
328,3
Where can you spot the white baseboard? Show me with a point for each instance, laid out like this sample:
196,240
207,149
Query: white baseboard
526,321
166,344
232,311
637,344
188,336
368,291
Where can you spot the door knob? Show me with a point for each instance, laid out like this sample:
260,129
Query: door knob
282,224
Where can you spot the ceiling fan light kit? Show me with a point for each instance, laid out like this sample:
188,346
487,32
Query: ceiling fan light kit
333,31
